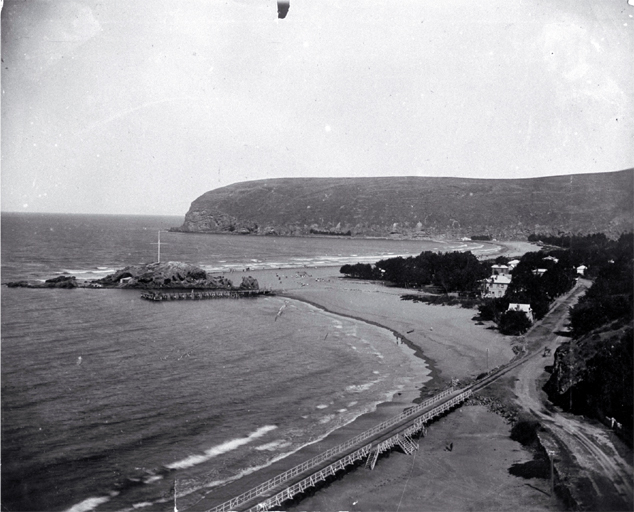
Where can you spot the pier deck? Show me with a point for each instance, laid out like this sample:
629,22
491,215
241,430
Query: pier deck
367,445
160,296
398,430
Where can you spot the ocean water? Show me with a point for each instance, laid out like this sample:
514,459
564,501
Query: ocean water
110,402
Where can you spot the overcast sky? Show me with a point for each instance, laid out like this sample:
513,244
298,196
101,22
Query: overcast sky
140,106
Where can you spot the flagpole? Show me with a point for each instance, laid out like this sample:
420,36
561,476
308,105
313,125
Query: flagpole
158,246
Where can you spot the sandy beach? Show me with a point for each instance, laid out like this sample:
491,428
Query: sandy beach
473,476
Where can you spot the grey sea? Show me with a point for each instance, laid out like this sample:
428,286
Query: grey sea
113,403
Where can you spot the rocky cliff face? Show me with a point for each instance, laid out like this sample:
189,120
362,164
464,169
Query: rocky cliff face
418,207
211,220
594,376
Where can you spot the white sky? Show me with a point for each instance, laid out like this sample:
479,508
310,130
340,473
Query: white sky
140,106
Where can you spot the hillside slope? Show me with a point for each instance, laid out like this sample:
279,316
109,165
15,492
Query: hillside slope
419,206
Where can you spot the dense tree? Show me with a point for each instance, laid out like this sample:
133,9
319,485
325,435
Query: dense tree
492,309
594,250
610,298
596,376
539,291
360,271
451,272
514,323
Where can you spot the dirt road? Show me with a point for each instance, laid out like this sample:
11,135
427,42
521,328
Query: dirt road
590,446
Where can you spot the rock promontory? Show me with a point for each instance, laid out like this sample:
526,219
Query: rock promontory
55,282
149,276
171,274
418,207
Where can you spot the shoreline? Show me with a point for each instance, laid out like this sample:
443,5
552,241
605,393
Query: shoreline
451,345
434,377
443,337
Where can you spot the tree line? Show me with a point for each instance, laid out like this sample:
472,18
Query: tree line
462,272
610,298
450,272
603,355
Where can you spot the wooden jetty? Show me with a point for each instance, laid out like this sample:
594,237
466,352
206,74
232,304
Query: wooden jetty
155,296
400,430
396,431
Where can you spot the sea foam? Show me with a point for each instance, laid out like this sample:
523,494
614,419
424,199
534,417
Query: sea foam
225,447
89,504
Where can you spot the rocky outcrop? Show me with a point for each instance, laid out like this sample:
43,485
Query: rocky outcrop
151,276
418,207
173,274
249,283
56,282
594,376
211,220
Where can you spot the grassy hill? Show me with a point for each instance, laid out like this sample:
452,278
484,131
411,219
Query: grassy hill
419,206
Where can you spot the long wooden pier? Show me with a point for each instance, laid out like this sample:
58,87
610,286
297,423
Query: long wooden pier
202,295
397,430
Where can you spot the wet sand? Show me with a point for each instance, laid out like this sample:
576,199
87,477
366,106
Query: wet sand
474,475
450,341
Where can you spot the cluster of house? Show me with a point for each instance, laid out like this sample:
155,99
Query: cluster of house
496,285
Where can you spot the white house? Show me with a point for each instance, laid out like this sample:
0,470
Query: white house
500,270
539,271
581,270
551,258
526,308
495,286
512,264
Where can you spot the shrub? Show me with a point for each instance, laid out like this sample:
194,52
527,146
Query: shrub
514,323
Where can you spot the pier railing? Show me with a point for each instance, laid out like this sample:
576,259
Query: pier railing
159,296
322,457
402,438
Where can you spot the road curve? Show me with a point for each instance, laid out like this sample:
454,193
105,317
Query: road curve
587,442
